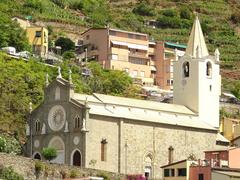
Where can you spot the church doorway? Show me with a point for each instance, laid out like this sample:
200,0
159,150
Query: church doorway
148,166
37,156
59,145
76,158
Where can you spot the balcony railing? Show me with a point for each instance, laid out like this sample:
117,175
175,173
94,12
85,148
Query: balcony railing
138,55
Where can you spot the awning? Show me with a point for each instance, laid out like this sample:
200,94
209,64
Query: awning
153,68
130,45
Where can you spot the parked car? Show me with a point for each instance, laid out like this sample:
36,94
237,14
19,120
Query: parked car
9,50
24,54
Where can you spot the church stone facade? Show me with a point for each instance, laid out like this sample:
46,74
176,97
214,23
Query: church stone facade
117,134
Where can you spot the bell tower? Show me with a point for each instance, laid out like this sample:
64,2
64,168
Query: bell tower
197,82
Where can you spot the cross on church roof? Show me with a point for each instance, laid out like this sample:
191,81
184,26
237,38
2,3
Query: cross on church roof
196,46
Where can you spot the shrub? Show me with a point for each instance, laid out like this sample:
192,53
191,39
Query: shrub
104,175
39,166
144,10
170,13
185,13
74,173
49,153
235,17
68,55
9,174
9,145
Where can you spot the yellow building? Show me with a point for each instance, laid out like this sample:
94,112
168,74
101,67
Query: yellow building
230,128
38,39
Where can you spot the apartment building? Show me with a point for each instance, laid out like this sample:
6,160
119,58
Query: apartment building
38,39
132,52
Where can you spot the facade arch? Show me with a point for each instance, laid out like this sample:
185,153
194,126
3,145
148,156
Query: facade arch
57,143
209,69
76,157
147,163
37,155
186,69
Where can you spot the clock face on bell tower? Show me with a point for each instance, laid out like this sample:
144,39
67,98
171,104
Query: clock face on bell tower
56,118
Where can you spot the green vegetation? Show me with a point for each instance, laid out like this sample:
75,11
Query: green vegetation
39,167
11,34
23,82
65,43
9,144
7,173
49,153
74,173
104,175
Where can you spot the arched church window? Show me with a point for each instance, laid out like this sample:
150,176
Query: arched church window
77,122
209,69
104,150
186,69
57,93
37,126
170,154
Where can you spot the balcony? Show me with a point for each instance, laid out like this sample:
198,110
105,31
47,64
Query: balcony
138,55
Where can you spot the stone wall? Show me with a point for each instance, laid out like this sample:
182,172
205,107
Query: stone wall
26,167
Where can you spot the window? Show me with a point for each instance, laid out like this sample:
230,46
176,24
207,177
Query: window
113,33
209,69
168,82
169,172
104,150
186,69
37,126
200,176
130,36
138,61
38,34
182,172
171,69
77,122
138,37
170,154
135,73
166,173
142,74
114,57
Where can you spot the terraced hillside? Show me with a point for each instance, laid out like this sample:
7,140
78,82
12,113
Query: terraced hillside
172,18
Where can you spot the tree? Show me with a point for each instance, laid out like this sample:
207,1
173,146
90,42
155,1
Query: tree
11,34
65,43
49,153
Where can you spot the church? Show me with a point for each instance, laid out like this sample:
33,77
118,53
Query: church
132,136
